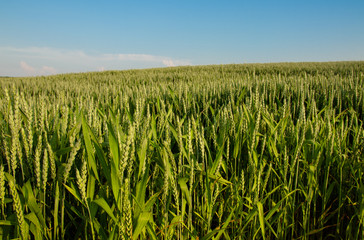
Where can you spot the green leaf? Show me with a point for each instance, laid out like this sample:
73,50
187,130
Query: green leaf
32,203
73,191
182,183
103,204
154,126
151,232
142,154
55,212
276,207
261,218
90,153
115,182
221,230
114,146
140,189
148,205
39,230
219,155
142,221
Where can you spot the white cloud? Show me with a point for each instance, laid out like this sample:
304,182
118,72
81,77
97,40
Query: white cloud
42,58
27,68
48,70
32,71
169,63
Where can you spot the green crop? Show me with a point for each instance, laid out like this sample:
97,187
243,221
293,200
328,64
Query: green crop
254,151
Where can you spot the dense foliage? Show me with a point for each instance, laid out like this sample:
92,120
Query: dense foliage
213,152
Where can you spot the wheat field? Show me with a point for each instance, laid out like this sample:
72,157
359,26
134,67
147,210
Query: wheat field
252,151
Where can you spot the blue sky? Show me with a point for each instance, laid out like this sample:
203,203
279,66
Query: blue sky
49,37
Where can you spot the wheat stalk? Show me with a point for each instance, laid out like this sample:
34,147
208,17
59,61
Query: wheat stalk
18,208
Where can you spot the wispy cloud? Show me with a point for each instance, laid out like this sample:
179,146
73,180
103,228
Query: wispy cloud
45,61
48,70
169,63
29,70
